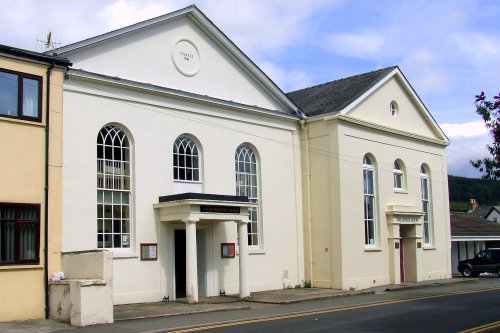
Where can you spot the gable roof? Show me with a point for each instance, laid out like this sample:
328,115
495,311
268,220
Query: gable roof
341,96
465,225
480,211
334,96
205,24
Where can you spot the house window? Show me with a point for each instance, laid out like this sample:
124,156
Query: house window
113,188
369,202
247,184
397,170
426,205
19,233
20,95
186,160
394,108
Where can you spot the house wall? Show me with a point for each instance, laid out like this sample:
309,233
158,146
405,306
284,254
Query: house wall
153,122
22,177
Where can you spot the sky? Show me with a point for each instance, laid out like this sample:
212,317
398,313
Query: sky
449,50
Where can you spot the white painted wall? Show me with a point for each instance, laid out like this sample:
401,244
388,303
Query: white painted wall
152,129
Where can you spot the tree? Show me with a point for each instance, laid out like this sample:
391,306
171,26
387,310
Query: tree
490,111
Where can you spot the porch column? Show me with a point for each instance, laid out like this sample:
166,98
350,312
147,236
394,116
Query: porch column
243,244
191,261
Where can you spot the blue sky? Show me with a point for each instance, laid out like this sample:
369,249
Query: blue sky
448,49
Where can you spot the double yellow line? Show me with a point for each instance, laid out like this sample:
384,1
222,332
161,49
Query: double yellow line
478,329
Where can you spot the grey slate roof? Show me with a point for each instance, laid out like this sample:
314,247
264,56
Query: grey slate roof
467,225
333,97
480,211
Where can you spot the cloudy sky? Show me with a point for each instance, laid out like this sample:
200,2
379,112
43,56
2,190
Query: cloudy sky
448,49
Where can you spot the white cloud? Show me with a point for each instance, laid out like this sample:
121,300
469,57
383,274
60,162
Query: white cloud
261,26
462,150
286,80
478,46
361,45
465,130
125,12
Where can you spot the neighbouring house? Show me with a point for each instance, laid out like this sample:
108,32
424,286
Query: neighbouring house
31,111
183,159
469,235
375,183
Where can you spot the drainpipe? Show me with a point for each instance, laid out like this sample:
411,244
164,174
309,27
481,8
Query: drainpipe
46,210
308,196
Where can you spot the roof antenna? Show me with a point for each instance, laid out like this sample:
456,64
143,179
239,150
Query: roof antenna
49,43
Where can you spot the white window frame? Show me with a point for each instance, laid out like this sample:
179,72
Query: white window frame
399,175
114,189
248,184
369,195
394,108
186,149
426,207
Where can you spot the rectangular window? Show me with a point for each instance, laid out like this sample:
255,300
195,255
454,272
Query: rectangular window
19,234
20,95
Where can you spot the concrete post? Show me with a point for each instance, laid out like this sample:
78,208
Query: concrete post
191,261
243,244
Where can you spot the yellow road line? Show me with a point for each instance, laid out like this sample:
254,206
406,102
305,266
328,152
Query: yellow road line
340,309
483,328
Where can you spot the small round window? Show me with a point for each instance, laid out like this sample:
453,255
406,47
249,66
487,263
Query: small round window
394,108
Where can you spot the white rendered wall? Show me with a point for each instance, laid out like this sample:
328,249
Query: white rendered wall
152,130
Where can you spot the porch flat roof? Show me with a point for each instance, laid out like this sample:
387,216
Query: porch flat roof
203,196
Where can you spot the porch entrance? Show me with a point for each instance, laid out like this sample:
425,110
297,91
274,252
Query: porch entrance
180,262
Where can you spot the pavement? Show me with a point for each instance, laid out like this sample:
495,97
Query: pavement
221,303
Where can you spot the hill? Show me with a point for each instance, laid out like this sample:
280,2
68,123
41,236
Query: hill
486,192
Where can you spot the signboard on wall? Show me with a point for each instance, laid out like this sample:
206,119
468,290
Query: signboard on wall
227,250
149,251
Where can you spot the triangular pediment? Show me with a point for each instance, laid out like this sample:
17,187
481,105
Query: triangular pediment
392,103
184,51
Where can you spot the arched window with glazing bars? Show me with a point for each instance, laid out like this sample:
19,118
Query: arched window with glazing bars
113,188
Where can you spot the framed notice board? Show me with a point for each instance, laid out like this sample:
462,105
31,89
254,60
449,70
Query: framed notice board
227,250
149,251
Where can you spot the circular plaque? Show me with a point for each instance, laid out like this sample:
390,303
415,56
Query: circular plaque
186,57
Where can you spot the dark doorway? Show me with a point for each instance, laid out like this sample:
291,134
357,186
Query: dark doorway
180,263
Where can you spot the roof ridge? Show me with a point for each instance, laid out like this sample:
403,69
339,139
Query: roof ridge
345,78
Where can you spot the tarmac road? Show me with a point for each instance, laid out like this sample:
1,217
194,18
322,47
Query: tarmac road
411,308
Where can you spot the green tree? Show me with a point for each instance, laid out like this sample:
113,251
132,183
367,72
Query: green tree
490,112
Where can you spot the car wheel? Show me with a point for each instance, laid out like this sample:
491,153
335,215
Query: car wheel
467,272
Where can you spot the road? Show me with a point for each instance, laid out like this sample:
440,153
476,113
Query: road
471,307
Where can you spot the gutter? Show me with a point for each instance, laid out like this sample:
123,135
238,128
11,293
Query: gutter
46,208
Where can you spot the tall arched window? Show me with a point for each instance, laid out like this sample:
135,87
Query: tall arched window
113,188
426,205
398,172
186,160
247,184
369,202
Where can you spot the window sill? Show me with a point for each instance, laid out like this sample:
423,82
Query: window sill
429,247
401,191
256,251
188,181
35,122
373,249
124,255
20,267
